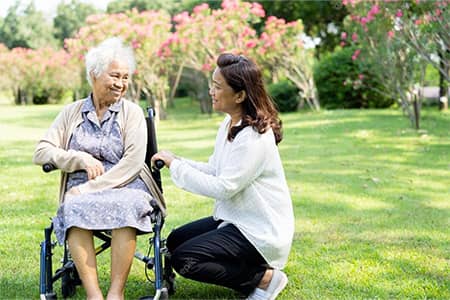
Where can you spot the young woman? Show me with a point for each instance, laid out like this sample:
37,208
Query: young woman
246,242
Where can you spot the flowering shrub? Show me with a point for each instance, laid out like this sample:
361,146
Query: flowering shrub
282,49
39,76
145,32
343,85
164,46
205,33
390,34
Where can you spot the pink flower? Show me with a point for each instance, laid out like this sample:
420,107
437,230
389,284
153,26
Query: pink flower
361,76
229,4
135,44
356,54
364,21
390,34
199,8
206,67
342,44
354,37
258,10
344,35
250,44
271,19
181,17
374,10
399,14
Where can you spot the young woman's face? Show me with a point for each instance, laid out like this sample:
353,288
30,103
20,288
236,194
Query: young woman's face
224,98
112,84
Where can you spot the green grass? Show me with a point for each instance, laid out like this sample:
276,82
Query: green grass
371,200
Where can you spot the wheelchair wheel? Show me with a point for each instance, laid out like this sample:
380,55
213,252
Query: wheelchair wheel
69,282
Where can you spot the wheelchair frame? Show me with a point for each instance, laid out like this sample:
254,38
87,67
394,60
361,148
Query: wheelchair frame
164,283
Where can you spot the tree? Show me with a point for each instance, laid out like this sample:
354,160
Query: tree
28,29
205,33
284,48
37,76
375,29
322,19
145,32
70,17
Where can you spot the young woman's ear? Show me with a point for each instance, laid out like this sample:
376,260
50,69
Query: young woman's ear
241,97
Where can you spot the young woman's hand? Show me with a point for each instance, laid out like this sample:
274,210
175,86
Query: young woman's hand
73,191
166,156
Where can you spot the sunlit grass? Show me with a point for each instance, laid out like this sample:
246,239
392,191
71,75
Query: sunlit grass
370,194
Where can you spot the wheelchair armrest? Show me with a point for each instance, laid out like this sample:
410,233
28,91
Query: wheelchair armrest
48,167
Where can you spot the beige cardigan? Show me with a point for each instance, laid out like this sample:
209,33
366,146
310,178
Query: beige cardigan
53,148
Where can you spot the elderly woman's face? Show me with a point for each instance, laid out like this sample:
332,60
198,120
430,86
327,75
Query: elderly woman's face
112,84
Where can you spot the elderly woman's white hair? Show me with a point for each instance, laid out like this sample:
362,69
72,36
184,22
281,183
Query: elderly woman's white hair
99,58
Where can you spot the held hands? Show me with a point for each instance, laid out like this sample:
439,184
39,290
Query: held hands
165,156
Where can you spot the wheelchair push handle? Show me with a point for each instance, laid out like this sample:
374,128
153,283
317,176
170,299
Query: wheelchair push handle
159,164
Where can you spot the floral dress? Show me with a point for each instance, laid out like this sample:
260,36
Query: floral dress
127,206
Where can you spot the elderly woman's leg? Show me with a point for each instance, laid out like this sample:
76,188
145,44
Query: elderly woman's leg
81,246
123,246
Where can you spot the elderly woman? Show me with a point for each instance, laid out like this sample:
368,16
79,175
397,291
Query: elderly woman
99,144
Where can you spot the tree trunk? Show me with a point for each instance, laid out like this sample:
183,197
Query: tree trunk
443,83
202,93
173,89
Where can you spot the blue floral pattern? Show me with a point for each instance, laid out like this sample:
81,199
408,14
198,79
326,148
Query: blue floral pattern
127,206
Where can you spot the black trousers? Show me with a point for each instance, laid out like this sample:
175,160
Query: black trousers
201,252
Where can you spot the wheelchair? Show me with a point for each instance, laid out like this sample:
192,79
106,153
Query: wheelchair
157,262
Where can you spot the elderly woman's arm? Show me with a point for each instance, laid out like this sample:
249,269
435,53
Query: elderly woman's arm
132,162
50,148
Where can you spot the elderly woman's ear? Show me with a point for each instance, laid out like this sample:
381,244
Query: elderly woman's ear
92,75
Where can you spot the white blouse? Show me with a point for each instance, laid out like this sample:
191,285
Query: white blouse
247,180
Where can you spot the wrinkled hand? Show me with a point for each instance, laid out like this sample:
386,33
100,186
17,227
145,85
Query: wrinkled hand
93,166
165,156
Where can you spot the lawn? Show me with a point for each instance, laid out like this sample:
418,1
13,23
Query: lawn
371,199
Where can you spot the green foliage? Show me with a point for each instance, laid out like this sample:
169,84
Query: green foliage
370,223
339,84
431,76
28,29
285,95
70,17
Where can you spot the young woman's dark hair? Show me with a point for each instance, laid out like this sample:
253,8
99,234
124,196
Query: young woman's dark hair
242,74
